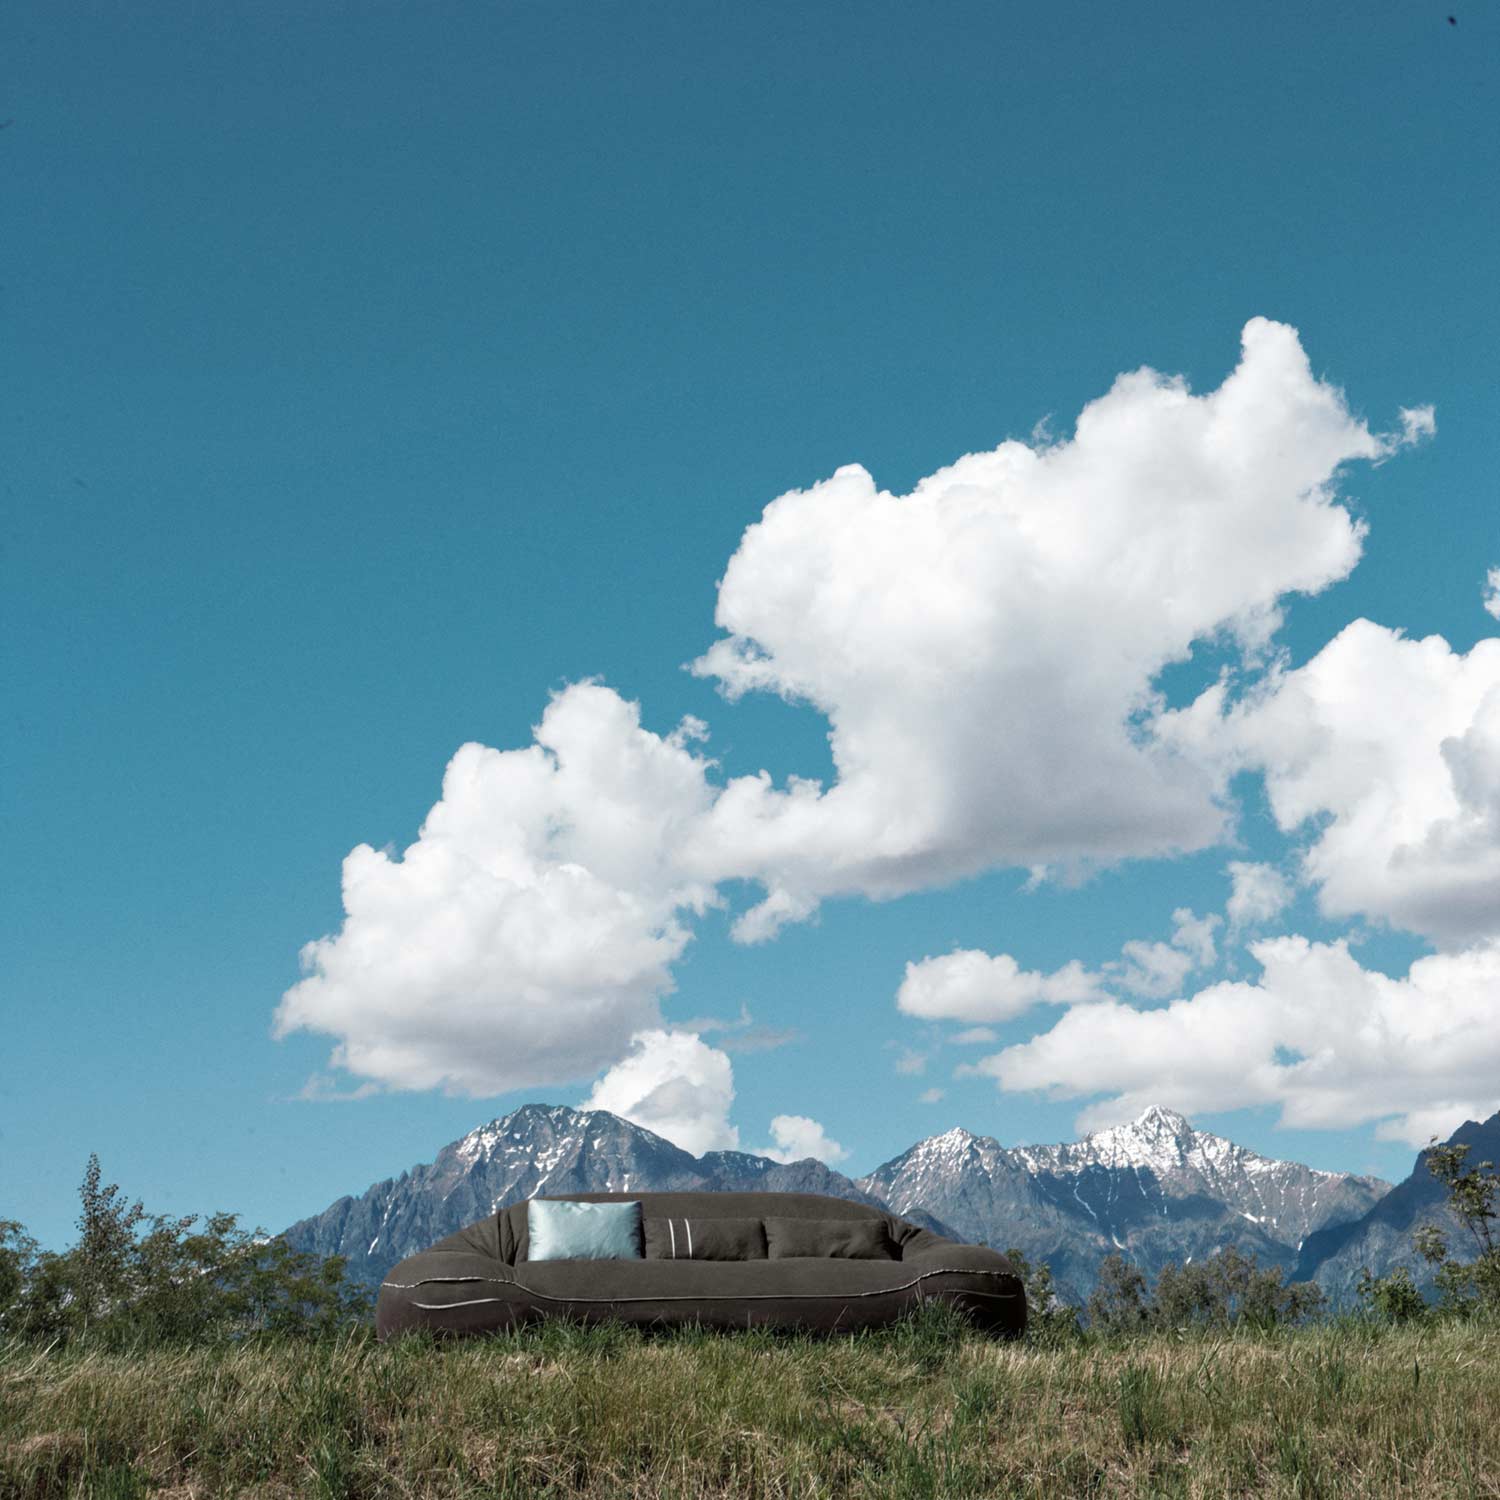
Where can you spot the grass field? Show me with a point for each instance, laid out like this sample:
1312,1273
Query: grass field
923,1410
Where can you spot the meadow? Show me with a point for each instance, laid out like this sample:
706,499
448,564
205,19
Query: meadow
1343,1408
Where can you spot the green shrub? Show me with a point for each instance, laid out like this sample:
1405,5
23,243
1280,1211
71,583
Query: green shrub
136,1279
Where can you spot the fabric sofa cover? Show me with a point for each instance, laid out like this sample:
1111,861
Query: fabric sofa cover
479,1280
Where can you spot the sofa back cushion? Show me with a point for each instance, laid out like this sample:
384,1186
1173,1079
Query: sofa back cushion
583,1231
510,1223
837,1239
705,1239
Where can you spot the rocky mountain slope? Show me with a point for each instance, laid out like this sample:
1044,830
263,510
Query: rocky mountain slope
535,1149
1381,1237
1154,1190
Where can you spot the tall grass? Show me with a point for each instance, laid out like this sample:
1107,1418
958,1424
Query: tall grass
926,1409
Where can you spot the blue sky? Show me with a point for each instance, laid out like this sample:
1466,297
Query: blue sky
378,370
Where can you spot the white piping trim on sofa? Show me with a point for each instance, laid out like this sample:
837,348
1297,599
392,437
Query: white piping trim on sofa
883,1291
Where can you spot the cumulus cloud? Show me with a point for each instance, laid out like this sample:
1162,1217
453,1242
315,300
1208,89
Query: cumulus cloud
969,985
1330,1042
1388,751
985,647
1492,592
797,1138
531,928
985,650
1259,893
674,1083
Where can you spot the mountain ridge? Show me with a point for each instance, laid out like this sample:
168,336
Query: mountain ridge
1155,1190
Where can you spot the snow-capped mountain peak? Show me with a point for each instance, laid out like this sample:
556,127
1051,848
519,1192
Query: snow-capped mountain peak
1154,1188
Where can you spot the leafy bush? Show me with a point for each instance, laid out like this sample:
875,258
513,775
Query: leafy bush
1229,1289
1393,1298
1049,1320
1119,1303
135,1278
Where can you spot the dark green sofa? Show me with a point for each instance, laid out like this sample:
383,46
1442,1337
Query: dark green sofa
479,1280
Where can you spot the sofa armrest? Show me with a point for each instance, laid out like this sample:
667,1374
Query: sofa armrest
483,1238
932,1250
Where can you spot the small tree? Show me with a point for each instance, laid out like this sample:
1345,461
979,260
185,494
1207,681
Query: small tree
1118,1303
1049,1320
1228,1289
107,1225
1394,1297
18,1256
1464,1286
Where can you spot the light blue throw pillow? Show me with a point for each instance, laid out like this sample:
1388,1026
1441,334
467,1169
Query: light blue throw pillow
583,1231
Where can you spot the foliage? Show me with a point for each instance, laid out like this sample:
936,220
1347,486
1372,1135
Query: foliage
1474,1285
1228,1289
1465,1288
135,1278
1119,1303
1394,1297
18,1252
1049,1320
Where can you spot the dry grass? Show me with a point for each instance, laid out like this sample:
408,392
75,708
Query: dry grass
920,1411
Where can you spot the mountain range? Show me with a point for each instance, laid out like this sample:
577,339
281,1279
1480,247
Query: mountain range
1381,1237
538,1148
1155,1190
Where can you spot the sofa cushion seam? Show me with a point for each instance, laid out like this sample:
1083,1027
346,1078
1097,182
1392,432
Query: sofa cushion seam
708,1296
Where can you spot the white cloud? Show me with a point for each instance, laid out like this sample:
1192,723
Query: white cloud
1388,751
971,985
1154,969
968,985
1417,422
974,1035
985,647
931,1096
1492,592
984,650
531,928
1159,969
1332,1043
674,1083
1195,935
1259,893
797,1138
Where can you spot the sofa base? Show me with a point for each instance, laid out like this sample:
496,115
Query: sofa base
826,1296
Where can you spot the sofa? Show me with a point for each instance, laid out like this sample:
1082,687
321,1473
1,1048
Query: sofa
722,1260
